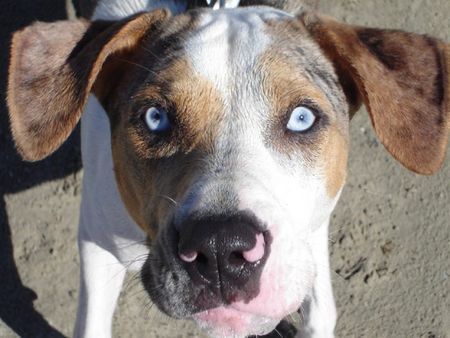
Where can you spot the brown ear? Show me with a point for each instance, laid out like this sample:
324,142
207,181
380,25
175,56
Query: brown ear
402,78
52,70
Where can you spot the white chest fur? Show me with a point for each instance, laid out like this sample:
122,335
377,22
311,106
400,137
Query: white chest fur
103,217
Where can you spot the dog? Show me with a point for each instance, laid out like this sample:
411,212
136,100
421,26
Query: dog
214,146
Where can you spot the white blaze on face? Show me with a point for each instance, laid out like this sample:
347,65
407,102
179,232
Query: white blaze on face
283,191
227,42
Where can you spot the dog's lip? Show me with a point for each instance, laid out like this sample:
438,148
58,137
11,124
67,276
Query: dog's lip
225,309
226,321
224,316
224,312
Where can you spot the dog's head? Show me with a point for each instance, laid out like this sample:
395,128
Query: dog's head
230,138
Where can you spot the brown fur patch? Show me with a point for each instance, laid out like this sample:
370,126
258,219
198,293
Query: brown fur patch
285,90
35,97
151,173
193,103
293,45
403,80
289,83
334,155
285,83
52,72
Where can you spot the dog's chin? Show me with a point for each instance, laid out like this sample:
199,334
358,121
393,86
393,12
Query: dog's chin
227,322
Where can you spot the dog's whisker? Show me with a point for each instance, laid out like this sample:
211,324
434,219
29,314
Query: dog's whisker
278,332
146,309
329,269
133,281
131,284
301,313
126,263
116,275
167,53
138,65
157,287
128,245
138,292
294,320
138,258
170,199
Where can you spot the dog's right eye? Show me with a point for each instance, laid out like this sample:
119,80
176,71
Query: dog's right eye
157,120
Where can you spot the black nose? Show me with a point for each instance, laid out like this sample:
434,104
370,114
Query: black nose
225,253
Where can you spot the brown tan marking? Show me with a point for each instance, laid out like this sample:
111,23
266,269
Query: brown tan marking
334,156
295,48
286,87
403,80
194,103
170,167
56,64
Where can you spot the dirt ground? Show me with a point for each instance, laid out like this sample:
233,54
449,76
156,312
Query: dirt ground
390,233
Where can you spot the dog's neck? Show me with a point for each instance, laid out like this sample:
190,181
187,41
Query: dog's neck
119,9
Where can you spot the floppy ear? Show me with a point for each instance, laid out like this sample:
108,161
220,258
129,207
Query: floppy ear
402,78
52,70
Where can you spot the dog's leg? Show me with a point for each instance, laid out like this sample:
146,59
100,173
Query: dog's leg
100,284
319,312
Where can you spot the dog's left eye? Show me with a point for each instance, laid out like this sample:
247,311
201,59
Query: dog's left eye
302,119
157,119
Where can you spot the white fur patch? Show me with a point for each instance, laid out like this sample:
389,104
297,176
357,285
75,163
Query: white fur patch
284,192
227,42
119,9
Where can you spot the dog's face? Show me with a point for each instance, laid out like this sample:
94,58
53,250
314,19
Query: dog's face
230,127
230,139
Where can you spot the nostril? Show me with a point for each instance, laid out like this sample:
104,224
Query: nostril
236,258
203,265
202,259
257,252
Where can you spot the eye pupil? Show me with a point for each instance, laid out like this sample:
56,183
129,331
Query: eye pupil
301,117
156,115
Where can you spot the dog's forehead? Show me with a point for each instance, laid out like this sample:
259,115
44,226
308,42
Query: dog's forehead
226,43
237,50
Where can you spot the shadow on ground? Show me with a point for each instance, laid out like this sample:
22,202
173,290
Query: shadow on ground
16,300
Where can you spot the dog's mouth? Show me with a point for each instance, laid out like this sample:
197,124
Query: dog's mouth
221,310
227,305
227,321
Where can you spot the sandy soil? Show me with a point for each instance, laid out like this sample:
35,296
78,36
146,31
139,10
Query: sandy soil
390,233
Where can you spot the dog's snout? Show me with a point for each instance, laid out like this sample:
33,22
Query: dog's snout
226,253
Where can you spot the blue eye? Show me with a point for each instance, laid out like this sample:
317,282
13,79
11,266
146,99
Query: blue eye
302,119
157,119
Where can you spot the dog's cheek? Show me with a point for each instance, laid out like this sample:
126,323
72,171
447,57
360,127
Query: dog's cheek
133,187
287,279
333,160
290,209
291,275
